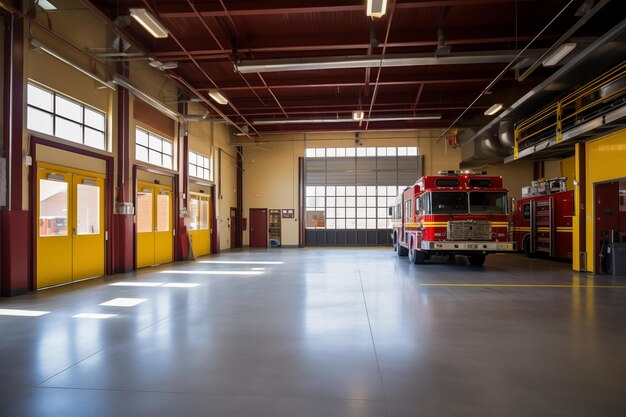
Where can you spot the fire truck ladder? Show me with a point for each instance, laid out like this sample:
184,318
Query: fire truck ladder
541,227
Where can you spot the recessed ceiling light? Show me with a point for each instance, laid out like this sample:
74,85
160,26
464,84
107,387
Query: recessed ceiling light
123,302
149,22
218,97
46,5
493,109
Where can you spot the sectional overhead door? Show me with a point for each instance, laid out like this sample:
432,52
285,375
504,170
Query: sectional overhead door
347,198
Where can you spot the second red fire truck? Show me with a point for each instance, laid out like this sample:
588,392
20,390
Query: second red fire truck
453,213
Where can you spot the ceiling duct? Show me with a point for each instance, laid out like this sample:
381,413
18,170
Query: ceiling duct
506,133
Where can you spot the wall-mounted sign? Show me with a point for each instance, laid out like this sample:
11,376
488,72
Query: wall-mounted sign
287,213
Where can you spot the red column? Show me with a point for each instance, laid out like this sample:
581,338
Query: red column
15,231
123,219
183,168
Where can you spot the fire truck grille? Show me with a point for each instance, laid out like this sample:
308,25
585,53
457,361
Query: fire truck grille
469,230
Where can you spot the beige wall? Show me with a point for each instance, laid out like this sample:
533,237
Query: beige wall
270,177
227,191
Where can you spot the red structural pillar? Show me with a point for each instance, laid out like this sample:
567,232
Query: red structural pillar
15,233
123,218
183,198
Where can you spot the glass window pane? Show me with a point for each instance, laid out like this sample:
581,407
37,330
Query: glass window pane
371,223
340,223
350,212
381,151
141,137
361,190
391,151
204,214
382,224
309,152
320,152
39,121
361,201
360,152
154,157
330,201
381,190
371,190
360,212
167,161
391,201
340,201
88,209
340,190
94,119
320,202
68,130
310,202
192,158
155,143
361,223
402,151
194,214
53,203
69,109
141,153
382,201
330,212
205,162
320,191
163,213
350,201
94,138
392,191
383,213
341,212
330,152
371,201
371,151
144,211
330,223
310,190
330,190
167,147
350,151
39,97
192,171
350,224
205,174
411,151
341,152
371,212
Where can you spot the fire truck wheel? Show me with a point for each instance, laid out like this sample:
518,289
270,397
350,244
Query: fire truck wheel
417,257
476,260
402,251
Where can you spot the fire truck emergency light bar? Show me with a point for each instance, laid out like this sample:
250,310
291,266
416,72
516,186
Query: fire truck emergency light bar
461,172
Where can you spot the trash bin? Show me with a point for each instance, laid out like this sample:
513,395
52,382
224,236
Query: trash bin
274,243
618,258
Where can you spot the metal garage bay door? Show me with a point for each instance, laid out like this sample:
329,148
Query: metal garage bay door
347,198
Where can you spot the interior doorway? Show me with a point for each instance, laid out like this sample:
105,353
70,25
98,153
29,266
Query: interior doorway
70,225
198,227
258,228
610,219
154,224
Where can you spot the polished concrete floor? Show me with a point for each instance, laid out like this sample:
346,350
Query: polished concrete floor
317,333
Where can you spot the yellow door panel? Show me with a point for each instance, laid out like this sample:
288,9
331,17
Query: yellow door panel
54,239
145,226
88,227
199,224
163,235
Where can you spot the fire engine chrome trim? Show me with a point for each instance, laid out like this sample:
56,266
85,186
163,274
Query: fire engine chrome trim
468,246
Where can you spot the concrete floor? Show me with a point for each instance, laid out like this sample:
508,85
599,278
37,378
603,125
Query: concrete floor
325,332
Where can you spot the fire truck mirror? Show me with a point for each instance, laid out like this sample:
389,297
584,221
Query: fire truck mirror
391,211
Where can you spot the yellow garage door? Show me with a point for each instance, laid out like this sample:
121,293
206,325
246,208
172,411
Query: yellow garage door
70,229
154,225
198,226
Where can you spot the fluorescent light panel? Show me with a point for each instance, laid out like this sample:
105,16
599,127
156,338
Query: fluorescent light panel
123,302
93,316
493,109
243,262
46,5
213,272
358,115
376,8
218,97
22,313
149,22
344,120
560,53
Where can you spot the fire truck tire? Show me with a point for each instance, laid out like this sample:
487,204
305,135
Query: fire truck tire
417,257
476,260
527,248
402,251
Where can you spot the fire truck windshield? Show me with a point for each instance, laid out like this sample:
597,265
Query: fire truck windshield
487,202
459,202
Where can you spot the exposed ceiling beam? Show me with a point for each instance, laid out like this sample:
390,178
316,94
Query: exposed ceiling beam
251,8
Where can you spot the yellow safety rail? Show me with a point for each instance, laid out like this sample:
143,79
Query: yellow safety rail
571,110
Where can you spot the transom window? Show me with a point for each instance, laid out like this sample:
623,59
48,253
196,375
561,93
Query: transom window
153,149
200,166
58,115
361,151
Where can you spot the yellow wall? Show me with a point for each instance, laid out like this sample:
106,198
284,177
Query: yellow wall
605,159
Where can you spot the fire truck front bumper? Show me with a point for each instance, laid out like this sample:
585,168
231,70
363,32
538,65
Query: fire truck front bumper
468,246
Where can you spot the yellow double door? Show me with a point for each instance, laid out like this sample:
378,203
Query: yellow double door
198,227
70,225
154,224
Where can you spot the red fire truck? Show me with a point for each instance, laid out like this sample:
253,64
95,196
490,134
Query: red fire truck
543,219
453,213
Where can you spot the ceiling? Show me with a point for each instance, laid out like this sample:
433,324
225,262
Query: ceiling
455,58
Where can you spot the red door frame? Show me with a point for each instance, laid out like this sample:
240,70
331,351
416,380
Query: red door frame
606,196
257,214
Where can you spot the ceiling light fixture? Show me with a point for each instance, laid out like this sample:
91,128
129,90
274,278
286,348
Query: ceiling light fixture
358,115
376,8
493,109
344,120
560,53
218,97
149,22
46,5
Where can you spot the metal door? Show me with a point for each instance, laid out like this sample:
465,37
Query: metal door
606,215
258,228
